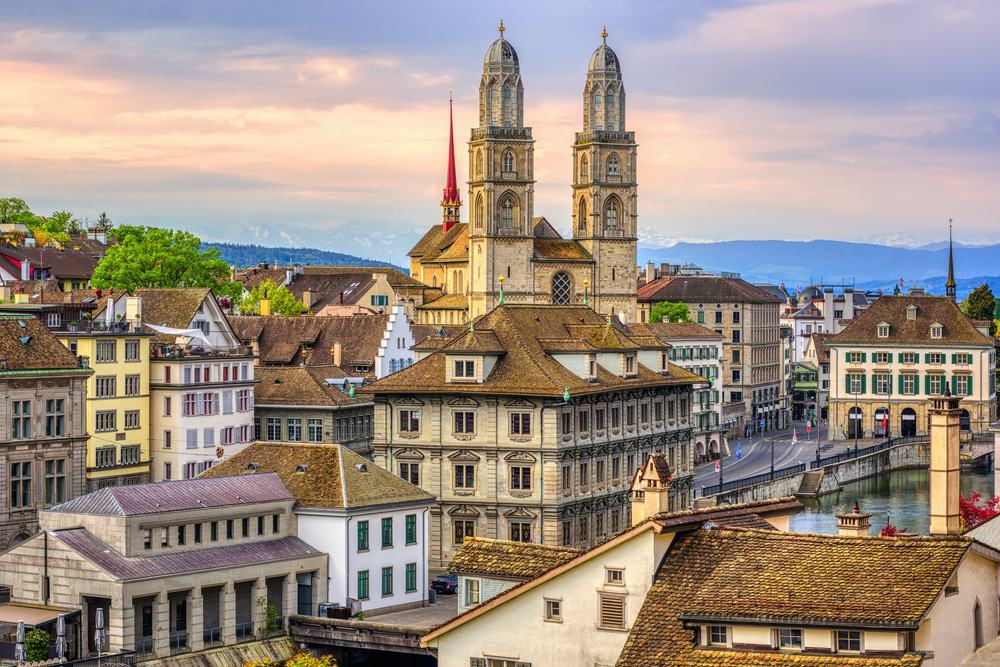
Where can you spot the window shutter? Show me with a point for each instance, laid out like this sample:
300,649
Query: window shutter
927,357
968,386
864,357
954,358
864,382
899,357
954,385
612,611
847,384
900,383
847,357
927,384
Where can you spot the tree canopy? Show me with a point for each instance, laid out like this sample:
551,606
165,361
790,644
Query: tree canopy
981,305
60,225
669,311
155,257
283,302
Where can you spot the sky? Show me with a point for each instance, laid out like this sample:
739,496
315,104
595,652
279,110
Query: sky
324,123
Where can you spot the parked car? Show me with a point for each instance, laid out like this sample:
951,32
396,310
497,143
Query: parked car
445,584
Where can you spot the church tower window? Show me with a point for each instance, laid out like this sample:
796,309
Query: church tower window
611,213
560,288
582,215
584,168
507,214
479,164
613,166
479,213
507,162
508,111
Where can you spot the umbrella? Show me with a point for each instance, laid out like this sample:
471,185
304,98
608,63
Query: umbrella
61,647
99,630
20,655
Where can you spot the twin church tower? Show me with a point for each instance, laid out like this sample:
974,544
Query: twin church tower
506,253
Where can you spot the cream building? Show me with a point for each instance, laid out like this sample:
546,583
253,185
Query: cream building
507,254
528,425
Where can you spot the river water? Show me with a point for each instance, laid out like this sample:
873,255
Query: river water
901,496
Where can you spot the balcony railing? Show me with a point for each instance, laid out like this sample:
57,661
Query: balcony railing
212,636
244,630
174,351
178,641
144,645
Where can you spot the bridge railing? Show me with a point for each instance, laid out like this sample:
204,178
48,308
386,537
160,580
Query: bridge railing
744,482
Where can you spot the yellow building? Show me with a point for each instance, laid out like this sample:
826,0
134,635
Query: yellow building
117,401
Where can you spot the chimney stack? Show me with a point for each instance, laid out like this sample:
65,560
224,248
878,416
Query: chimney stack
650,272
854,523
308,298
945,465
650,493
265,307
338,352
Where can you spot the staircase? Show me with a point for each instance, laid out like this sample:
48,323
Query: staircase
811,481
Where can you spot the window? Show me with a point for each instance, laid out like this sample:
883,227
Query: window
935,384
736,336
54,417
520,531
909,384
599,419
599,471
882,357
243,400
104,386
614,576
567,423
181,538
471,592
465,423
508,157
20,484
197,533
737,375
20,426
881,383
855,383
611,213
274,428
848,641
553,611
520,423
131,419
409,421
105,351
294,426
362,584
789,638
104,420
55,481
387,532
629,364
718,635
507,213
167,470
561,288
883,330
465,369
520,478
410,472
132,350
210,403
411,577
935,358
275,524
386,581
130,454
963,385
630,415
230,529
363,535
937,331
613,166
465,476
411,529
584,474
611,614
245,526
190,405
616,417
315,430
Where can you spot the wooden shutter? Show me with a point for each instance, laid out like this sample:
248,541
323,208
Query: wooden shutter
612,611
864,383
954,385
968,386
954,358
927,384
899,357
847,384
864,357
900,383
927,357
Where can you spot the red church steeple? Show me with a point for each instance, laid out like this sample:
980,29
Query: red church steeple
451,201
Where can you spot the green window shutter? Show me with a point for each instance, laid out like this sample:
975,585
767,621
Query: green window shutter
864,357
847,357
954,385
899,357
954,358
864,382
927,384
900,383
927,357
968,386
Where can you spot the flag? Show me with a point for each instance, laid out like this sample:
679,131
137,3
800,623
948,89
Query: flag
885,420
795,437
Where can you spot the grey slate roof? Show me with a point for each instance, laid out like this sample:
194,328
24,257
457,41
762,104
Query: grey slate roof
987,532
184,494
123,568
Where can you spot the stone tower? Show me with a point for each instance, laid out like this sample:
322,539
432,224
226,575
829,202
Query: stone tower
501,186
945,466
604,186
650,492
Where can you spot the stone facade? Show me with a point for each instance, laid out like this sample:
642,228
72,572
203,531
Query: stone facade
350,426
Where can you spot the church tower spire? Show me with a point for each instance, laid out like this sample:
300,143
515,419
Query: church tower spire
451,201
950,286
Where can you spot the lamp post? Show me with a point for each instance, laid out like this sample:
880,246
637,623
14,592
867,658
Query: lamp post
586,291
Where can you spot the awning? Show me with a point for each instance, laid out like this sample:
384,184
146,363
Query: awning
170,331
32,614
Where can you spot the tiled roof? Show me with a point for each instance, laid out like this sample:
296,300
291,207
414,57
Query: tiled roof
704,288
732,574
508,560
175,496
27,345
299,385
478,340
668,330
310,340
958,329
178,562
435,335
435,241
821,342
61,263
719,513
320,475
525,368
173,307
447,302
560,250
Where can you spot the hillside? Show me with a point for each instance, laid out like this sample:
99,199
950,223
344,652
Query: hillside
242,256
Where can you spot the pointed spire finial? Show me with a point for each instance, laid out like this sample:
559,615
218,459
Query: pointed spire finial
451,200
950,286
501,28
604,35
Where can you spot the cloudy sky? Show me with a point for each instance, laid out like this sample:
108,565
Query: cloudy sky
324,123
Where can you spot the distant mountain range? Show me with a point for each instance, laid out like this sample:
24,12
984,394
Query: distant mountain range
243,256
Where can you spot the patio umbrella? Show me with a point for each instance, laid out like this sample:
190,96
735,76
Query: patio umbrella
99,630
20,655
61,647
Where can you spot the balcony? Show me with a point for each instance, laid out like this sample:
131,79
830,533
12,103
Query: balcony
182,352
178,642
212,637
605,135
102,328
501,132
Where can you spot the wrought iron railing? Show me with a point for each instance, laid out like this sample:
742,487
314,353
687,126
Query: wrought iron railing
244,630
744,482
212,636
178,641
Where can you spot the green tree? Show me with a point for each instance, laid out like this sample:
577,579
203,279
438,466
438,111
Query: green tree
14,211
668,311
981,305
104,222
36,645
283,302
155,257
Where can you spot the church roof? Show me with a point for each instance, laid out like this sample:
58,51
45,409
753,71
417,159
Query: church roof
436,241
604,61
500,53
561,250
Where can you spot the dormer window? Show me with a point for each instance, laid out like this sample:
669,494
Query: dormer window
664,361
883,330
465,369
591,367
911,312
628,364
937,331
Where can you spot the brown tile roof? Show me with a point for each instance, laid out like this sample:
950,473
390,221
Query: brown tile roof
61,263
328,283
435,242
27,345
431,334
525,368
173,563
447,302
821,342
310,340
505,559
300,385
321,475
733,574
684,519
704,288
560,250
172,307
667,330
958,329
478,340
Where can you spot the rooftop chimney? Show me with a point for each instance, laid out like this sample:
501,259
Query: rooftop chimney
650,493
308,298
337,352
650,272
945,464
265,307
289,275
854,523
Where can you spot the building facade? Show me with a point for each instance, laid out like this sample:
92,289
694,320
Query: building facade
821,309
528,426
43,440
505,254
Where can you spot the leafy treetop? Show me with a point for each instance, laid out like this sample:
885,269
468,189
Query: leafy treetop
668,311
283,302
981,305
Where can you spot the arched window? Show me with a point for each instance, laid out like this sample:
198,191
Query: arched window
611,213
459,287
479,164
507,107
491,106
507,213
507,161
584,167
613,167
609,102
434,281
479,213
596,113
977,624
560,288
582,216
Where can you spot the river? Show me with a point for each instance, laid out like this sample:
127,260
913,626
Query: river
901,496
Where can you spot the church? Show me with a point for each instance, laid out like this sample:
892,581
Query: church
507,254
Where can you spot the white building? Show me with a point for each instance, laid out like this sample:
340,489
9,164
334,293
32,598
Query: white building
371,523
821,310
